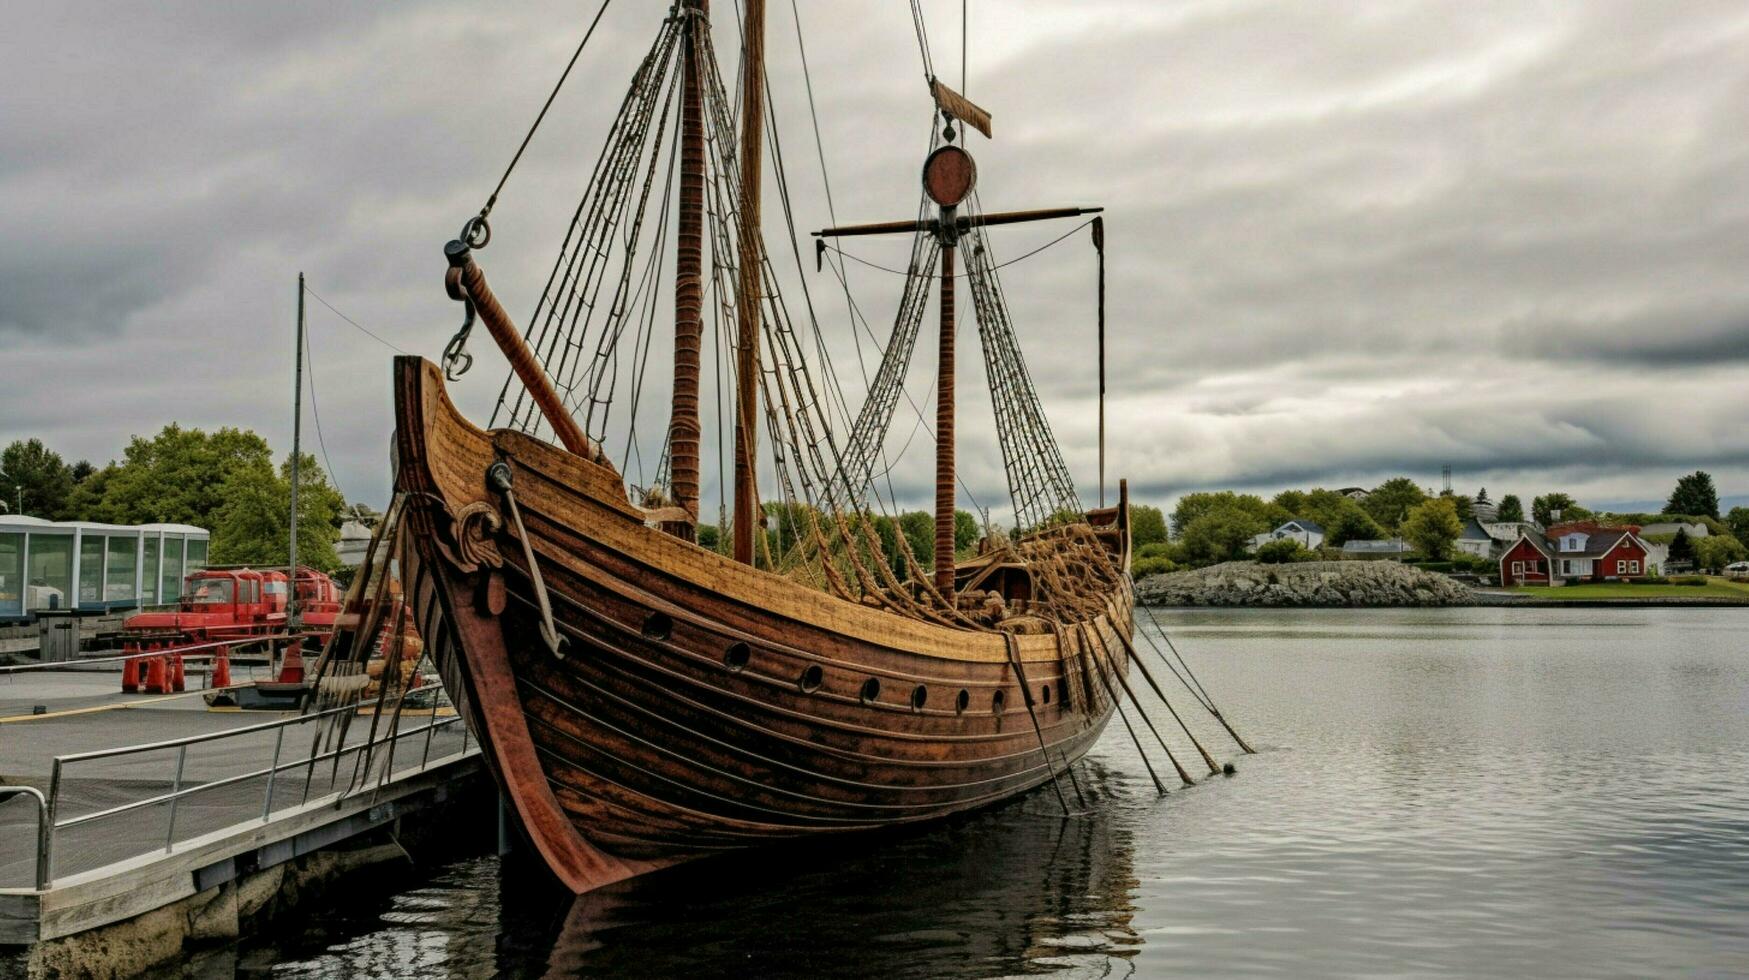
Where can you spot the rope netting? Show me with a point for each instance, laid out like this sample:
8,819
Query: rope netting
833,507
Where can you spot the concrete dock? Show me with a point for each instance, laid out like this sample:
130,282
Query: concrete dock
158,807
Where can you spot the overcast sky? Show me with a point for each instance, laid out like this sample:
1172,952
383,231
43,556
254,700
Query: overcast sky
1347,241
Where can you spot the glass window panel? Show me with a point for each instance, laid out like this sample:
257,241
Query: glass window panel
11,574
196,554
149,573
212,591
51,566
118,582
91,568
170,580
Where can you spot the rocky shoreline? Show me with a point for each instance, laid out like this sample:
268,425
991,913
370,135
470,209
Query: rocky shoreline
1332,584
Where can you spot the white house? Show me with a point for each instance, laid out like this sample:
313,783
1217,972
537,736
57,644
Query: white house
1474,539
1309,534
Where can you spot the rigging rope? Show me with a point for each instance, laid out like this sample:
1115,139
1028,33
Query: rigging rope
962,275
316,413
922,40
314,295
492,199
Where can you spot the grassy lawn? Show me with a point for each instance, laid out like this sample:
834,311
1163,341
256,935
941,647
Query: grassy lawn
1716,588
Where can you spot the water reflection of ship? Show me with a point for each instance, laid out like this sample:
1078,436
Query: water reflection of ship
1017,888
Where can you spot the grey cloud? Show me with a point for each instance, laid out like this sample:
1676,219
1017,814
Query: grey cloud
1346,240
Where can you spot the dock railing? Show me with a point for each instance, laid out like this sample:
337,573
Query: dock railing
331,729
42,828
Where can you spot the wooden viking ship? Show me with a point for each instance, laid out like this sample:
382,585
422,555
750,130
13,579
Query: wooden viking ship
643,699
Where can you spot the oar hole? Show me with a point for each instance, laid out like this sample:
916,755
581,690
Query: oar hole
736,656
919,697
658,626
871,689
811,679
1047,693
963,700
998,702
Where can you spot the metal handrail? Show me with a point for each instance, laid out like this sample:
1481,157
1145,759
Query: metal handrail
44,829
49,805
274,769
265,726
164,652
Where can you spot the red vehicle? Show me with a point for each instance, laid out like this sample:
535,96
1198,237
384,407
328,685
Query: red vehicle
220,604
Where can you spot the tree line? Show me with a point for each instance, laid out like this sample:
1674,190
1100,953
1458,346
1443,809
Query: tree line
225,481
1215,526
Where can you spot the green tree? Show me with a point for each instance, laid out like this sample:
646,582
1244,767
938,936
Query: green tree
179,475
1466,507
1511,508
1221,534
35,478
1294,502
1543,508
1392,500
253,526
1681,548
1352,525
1694,495
1432,527
1328,508
966,531
918,527
1738,521
709,536
887,532
1147,525
85,503
1192,506
1713,552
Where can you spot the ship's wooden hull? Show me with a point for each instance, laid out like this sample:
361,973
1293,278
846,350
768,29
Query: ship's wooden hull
702,705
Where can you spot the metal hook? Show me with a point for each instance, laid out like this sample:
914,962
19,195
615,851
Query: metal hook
456,359
477,233
498,477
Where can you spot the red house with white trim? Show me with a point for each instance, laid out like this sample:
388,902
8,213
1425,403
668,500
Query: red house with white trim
1575,553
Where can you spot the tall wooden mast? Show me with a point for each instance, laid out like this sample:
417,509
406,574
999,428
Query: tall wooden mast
683,424
748,297
948,177
944,405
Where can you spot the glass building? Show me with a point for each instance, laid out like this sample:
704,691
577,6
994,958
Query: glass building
93,567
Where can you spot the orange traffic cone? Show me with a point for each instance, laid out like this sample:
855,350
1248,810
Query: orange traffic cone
130,675
178,682
156,682
221,676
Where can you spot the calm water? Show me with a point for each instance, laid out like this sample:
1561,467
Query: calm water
1456,792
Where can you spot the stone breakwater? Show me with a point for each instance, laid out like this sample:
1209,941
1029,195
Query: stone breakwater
1316,583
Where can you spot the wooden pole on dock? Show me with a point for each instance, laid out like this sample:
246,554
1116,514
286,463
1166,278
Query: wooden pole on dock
291,584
